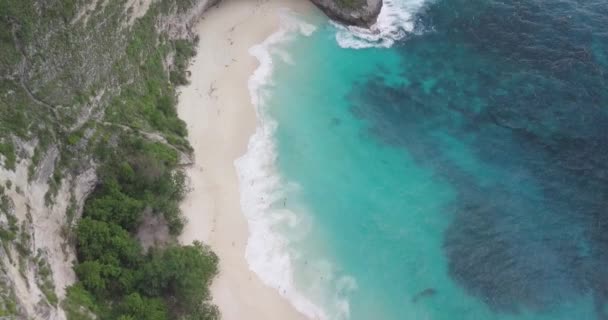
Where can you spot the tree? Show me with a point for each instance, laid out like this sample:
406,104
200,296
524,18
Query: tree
181,275
106,242
91,275
143,308
116,207
79,304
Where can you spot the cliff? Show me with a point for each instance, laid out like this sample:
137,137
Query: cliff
77,78
81,80
361,13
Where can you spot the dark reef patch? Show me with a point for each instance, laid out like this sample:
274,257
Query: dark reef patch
508,102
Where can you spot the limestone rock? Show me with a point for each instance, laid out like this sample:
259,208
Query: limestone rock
361,13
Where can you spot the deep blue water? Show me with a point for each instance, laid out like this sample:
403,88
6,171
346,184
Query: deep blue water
461,173
523,85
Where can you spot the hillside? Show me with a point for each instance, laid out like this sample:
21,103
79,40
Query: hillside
82,86
91,151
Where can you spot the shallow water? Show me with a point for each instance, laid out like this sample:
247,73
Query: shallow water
459,174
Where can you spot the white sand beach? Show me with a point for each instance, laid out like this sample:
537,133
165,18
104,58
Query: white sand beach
220,117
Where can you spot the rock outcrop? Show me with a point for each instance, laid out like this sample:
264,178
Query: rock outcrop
361,13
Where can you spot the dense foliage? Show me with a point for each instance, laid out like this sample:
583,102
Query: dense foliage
102,92
120,281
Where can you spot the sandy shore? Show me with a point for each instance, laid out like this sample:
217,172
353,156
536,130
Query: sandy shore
217,109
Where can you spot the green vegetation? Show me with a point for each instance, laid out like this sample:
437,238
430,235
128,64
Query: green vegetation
79,304
8,307
183,51
9,231
98,91
45,279
8,151
165,283
140,176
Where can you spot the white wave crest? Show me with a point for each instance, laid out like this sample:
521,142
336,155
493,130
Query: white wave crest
263,192
395,22
267,251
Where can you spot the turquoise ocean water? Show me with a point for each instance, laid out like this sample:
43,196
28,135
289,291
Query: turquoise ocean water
453,167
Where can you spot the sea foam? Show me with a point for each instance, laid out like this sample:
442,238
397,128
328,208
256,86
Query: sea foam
395,22
261,186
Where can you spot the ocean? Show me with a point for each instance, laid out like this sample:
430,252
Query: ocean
452,165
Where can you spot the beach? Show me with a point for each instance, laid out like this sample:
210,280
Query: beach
220,117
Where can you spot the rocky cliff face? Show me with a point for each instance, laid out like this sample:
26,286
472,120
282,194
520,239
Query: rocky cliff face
361,13
63,65
72,77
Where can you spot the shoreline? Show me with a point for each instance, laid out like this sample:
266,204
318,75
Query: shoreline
217,109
